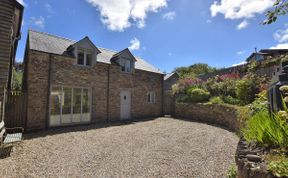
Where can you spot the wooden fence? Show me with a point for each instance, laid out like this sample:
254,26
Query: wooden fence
15,109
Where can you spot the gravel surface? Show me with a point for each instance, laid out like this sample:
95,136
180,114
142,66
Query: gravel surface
163,147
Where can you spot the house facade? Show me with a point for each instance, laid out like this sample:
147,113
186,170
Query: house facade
11,13
74,82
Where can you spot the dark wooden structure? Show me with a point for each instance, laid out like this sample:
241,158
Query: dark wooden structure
11,13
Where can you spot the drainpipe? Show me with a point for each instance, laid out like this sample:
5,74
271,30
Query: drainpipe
48,92
108,94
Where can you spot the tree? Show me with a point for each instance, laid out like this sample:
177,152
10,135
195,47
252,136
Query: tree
194,70
17,79
280,8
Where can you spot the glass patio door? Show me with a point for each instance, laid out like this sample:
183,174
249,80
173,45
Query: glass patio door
69,106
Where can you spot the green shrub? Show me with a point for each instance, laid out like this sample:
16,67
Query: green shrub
260,103
245,90
232,172
216,100
267,131
278,165
230,100
198,95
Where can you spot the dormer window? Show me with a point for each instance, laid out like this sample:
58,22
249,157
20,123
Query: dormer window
84,57
125,65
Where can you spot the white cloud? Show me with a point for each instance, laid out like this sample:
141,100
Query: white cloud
117,15
49,8
22,2
209,21
134,44
169,15
240,52
243,25
240,63
40,21
281,36
280,46
240,9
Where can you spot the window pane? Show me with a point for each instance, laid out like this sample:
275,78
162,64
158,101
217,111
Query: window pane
128,66
56,101
66,100
85,101
89,59
80,57
77,100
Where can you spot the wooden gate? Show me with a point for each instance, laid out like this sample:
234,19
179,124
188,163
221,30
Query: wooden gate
169,103
15,109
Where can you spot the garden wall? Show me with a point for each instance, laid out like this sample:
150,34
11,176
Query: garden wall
222,115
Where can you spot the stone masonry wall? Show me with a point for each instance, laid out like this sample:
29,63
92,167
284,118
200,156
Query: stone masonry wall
65,72
222,115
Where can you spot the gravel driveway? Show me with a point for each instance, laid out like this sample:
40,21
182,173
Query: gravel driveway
163,147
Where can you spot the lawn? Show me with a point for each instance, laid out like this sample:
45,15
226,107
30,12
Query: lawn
163,147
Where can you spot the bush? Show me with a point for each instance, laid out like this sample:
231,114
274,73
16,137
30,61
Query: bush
260,103
245,91
278,165
198,95
230,100
216,100
232,172
267,131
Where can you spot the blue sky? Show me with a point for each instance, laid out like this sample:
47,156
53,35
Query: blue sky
166,33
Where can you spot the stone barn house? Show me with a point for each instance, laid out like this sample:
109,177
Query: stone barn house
75,82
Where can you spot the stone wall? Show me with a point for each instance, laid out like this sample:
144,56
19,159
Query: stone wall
65,72
222,115
250,161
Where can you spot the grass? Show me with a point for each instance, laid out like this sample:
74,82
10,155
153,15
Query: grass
278,164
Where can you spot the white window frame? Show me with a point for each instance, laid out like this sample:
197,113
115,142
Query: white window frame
72,100
126,63
152,97
86,51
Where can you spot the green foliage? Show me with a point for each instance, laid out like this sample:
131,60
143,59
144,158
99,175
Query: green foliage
245,90
280,8
278,165
216,100
267,131
219,87
230,100
17,79
195,70
232,172
260,103
198,95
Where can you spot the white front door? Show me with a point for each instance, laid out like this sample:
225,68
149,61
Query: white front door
125,104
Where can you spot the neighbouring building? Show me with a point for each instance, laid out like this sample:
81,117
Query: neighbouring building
75,82
11,13
264,53
169,80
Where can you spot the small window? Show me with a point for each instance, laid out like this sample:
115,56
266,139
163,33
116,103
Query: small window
84,57
89,59
80,59
151,97
125,65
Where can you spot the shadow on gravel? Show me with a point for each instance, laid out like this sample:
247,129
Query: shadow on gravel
81,128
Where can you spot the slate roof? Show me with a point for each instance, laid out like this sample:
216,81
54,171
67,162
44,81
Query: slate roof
48,43
167,76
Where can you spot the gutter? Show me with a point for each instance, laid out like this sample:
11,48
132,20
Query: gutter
108,94
48,92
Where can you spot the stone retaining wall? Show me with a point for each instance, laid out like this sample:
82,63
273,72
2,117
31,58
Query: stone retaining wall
223,115
250,162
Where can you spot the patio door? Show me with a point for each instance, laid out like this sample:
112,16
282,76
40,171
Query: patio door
125,111
69,106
